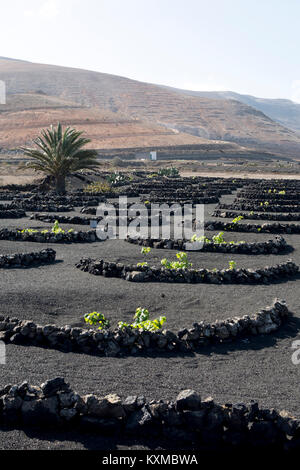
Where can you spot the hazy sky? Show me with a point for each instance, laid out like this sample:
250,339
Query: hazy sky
248,46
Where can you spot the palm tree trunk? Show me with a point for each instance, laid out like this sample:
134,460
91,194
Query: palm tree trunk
60,183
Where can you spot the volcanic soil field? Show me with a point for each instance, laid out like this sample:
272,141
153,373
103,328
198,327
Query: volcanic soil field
235,366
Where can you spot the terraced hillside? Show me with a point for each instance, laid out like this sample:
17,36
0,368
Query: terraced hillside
284,111
25,114
209,119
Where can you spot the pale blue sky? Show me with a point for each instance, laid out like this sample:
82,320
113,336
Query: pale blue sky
247,46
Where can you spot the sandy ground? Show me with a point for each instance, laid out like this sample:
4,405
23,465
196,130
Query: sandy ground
223,174
11,174
259,369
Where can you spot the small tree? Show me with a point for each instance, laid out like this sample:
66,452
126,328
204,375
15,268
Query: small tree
60,153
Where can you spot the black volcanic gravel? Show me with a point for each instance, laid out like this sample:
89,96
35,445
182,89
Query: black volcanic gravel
259,369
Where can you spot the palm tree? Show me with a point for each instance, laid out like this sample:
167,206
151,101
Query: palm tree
60,153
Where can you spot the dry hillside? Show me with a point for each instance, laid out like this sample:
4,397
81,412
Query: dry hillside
284,111
153,113
25,115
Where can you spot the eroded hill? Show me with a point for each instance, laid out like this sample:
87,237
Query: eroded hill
145,114
24,115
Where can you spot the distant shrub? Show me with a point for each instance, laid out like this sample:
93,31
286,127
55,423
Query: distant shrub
117,161
98,187
171,172
152,175
115,178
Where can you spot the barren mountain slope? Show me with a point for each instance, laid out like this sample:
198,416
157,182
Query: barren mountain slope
284,111
227,120
25,115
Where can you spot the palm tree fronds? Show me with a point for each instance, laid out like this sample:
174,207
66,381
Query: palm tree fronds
60,153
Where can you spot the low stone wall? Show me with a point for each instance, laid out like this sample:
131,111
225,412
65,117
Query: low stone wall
267,203
64,219
93,210
249,206
265,196
71,199
188,419
49,237
134,273
12,214
6,196
37,207
183,194
275,246
20,187
196,184
261,184
256,215
19,260
172,200
274,227
88,210
119,191
128,341
77,198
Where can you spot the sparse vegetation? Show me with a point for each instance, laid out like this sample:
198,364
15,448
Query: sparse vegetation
143,322
145,250
237,219
97,319
55,229
232,265
118,162
99,187
115,178
171,172
182,262
216,239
